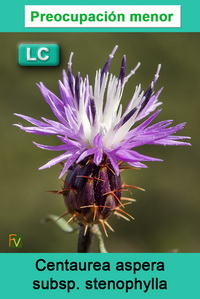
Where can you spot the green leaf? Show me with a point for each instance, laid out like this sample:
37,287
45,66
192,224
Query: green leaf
97,232
61,223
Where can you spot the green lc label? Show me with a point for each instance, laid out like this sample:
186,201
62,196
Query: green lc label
38,54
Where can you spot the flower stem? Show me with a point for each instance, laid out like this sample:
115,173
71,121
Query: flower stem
84,241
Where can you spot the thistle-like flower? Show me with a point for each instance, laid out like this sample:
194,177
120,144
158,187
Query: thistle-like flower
97,135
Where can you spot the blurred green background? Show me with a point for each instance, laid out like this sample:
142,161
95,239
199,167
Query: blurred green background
167,215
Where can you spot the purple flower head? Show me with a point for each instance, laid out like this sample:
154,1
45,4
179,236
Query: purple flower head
92,122
97,135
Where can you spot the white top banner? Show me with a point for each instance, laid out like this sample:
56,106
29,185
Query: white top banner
99,16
